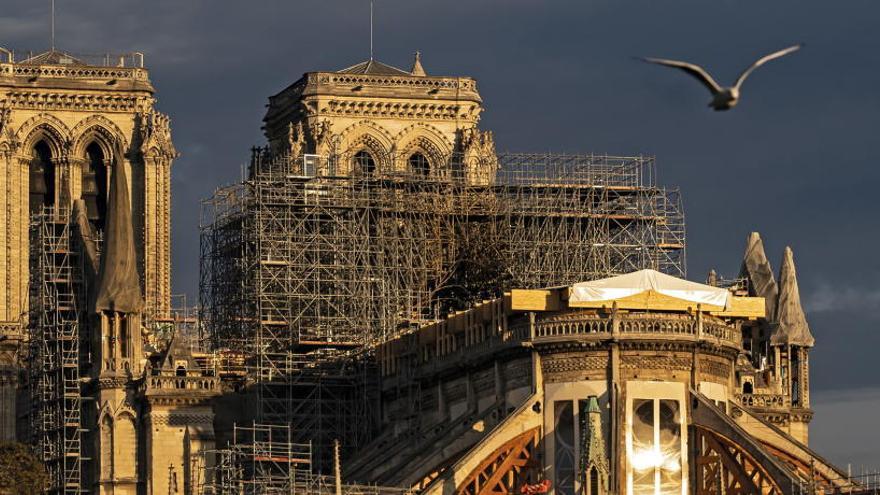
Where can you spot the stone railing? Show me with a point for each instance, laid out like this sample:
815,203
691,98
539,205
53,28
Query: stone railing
409,353
772,401
195,383
635,326
461,83
573,325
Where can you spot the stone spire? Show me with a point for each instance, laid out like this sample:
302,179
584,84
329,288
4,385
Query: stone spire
792,327
756,268
119,287
417,69
593,445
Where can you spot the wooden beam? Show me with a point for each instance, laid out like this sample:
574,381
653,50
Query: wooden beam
743,307
536,299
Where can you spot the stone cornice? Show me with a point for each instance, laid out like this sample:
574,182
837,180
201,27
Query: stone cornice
76,77
434,88
415,110
37,99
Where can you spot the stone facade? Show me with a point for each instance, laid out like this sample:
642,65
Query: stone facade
624,396
72,133
390,114
72,115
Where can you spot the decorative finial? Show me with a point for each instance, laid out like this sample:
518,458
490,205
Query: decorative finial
417,69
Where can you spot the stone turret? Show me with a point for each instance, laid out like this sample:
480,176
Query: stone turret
417,69
791,341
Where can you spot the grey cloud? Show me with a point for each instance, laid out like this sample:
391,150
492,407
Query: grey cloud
827,297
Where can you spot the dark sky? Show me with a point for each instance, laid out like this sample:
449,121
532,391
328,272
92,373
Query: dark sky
795,160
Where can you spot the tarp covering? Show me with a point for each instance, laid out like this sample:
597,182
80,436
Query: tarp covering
756,268
792,327
631,284
118,283
86,240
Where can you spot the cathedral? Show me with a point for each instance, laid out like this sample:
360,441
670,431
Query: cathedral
393,307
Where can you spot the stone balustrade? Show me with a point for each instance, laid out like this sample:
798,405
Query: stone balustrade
158,382
450,347
635,326
771,401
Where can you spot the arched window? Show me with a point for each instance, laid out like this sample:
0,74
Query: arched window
419,165
364,163
181,371
747,388
42,177
94,185
594,481
124,339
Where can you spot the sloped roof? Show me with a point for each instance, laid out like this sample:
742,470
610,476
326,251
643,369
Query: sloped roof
631,284
53,57
792,327
756,268
178,350
375,68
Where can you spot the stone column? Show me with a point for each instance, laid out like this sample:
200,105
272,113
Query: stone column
156,221
14,256
8,385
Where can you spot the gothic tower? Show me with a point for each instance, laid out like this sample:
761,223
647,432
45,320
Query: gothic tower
67,124
61,118
375,119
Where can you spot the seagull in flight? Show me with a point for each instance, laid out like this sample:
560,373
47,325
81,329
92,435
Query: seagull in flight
722,98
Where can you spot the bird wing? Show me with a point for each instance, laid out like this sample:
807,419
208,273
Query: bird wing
692,69
763,60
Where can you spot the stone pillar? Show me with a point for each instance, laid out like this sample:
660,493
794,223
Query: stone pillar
14,224
8,385
805,377
156,224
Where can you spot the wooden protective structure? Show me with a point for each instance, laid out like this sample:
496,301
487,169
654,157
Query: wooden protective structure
723,467
505,470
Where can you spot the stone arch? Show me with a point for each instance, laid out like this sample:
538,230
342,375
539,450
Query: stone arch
357,131
125,446
46,142
364,136
425,139
95,141
425,133
98,129
48,128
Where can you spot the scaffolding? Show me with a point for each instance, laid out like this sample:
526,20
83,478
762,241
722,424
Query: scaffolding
299,263
261,460
54,339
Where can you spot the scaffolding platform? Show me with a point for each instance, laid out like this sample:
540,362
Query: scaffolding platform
298,264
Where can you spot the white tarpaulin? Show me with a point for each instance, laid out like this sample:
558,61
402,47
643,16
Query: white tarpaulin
634,283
